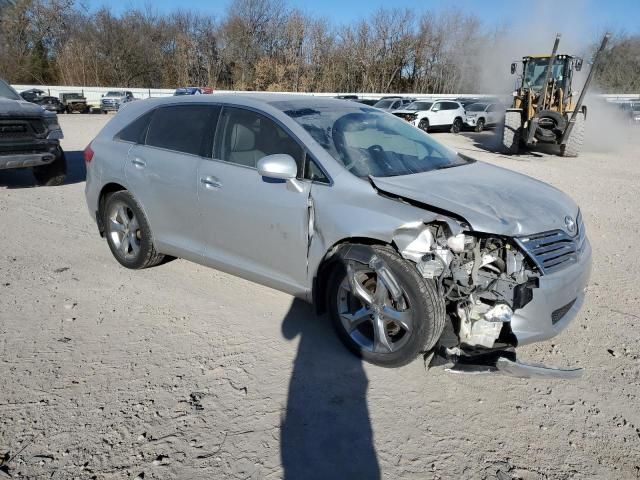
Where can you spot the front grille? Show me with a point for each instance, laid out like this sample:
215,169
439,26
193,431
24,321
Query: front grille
555,250
20,129
559,314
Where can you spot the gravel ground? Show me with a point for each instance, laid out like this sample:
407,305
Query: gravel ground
184,372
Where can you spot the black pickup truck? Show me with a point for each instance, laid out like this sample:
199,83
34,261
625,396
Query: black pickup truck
30,138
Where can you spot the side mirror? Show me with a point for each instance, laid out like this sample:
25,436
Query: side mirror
578,64
279,166
514,67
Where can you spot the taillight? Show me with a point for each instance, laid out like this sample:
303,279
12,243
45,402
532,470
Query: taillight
88,154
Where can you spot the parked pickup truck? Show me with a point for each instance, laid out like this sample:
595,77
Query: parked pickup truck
30,137
74,102
112,101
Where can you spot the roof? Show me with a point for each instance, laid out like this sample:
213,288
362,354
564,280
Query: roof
559,55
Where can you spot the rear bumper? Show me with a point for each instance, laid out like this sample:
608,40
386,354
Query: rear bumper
25,160
560,295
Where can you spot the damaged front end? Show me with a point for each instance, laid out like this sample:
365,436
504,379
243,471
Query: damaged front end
483,279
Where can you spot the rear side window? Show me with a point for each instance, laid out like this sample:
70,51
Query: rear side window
184,128
136,130
450,106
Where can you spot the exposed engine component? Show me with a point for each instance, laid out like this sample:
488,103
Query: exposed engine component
483,279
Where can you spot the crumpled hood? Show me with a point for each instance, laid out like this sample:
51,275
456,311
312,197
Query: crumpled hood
491,199
19,108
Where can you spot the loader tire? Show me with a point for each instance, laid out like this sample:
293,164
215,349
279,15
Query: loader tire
574,143
511,133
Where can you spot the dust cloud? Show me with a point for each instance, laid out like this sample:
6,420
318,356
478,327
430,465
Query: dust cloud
607,128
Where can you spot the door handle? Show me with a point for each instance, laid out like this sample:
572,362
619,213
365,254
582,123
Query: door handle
210,182
139,163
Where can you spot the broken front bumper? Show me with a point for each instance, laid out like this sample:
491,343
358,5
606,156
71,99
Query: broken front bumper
555,303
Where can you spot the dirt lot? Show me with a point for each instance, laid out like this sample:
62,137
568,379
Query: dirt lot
184,372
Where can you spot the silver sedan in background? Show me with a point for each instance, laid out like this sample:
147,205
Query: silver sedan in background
343,205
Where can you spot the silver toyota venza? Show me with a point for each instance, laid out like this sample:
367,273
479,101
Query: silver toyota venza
398,237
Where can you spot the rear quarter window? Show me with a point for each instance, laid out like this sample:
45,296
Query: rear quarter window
136,130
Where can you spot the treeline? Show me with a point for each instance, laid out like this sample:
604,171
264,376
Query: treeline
263,45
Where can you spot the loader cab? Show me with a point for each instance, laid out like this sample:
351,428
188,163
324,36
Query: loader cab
534,69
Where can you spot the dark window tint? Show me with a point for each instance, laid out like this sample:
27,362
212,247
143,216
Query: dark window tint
136,130
244,137
183,128
450,106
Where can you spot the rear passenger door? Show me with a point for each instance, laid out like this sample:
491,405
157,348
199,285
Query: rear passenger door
254,227
162,173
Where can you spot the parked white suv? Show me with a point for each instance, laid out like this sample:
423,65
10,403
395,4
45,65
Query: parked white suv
480,115
440,114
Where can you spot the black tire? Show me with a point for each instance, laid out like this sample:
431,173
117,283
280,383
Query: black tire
427,310
146,255
480,125
456,127
511,133
574,143
423,125
52,174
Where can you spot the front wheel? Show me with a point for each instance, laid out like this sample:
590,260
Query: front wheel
480,125
456,127
424,125
128,232
384,311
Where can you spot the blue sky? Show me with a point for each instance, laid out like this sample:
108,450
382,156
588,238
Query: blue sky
588,15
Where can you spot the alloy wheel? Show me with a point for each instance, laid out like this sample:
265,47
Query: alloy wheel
372,311
124,230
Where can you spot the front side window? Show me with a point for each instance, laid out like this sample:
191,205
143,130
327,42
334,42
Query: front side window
244,137
183,128
437,107
369,142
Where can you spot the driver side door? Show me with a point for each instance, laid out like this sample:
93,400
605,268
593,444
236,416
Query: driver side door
438,114
254,227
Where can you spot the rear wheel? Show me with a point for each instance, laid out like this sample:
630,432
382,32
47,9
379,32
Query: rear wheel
385,312
456,126
128,232
574,143
424,125
511,132
52,174
480,125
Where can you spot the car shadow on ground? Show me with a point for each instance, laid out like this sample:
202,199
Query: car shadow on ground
326,432
23,178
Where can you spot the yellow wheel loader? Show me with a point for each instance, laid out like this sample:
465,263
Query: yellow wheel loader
544,109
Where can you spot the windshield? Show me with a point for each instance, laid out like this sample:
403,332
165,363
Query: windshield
635,107
536,69
369,142
385,103
7,92
419,106
114,94
477,107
